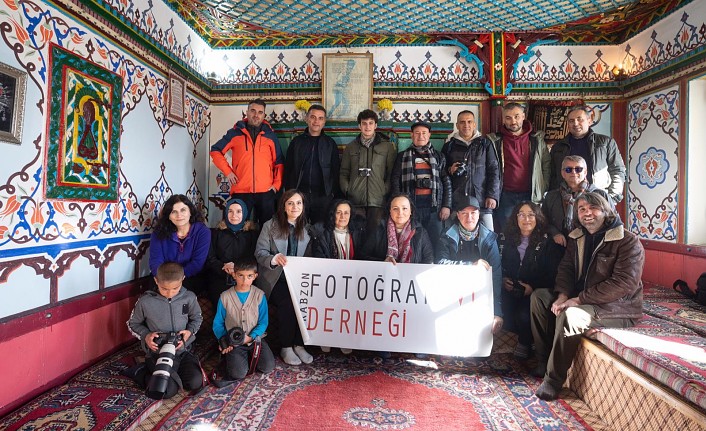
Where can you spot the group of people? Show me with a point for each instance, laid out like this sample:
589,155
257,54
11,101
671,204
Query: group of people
562,263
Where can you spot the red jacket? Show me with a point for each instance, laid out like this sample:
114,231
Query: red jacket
259,166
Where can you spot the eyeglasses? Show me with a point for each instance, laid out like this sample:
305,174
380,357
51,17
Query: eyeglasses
577,169
527,216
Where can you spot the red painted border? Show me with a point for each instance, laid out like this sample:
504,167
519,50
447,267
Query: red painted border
18,325
60,380
685,249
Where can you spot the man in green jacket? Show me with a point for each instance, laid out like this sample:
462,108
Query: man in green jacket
365,169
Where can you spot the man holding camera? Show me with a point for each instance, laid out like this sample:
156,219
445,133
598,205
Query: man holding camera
366,168
473,165
420,172
165,320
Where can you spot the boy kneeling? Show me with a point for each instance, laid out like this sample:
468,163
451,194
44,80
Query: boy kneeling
166,321
240,323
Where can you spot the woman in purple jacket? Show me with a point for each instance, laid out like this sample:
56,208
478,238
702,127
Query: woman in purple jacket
180,236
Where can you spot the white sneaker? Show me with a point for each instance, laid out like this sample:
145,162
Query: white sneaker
346,351
326,349
303,354
289,357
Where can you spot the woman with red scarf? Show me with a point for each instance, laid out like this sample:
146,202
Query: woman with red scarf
399,238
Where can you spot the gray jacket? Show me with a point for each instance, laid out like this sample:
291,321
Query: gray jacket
607,166
155,313
370,190
268,245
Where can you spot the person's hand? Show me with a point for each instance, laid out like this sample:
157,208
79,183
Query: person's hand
247,340
578,320
185,335
232,179
279,260
528,288
453,168
559,239
490,203
226,350
483,262
444,213
558,305
228,268
508,284
497,324
391,259
149,341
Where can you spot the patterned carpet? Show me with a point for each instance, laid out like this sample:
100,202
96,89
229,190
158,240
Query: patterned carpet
336,392
361,392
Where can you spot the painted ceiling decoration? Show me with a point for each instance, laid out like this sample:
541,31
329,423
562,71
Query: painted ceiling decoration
285,23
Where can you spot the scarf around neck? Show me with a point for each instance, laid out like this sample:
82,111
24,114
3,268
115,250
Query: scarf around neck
399,247
408,179
568,197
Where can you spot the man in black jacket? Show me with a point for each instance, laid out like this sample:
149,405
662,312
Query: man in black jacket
473,165
312,165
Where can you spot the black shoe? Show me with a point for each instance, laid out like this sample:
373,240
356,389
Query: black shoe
132,372
547,392
539,371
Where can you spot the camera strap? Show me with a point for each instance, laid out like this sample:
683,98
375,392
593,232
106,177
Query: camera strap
257,347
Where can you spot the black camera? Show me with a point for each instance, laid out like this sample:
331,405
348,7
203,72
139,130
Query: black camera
518,290
365,172
234,337
460,169
423,183
167,342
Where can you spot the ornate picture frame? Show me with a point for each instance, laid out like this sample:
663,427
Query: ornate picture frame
347,84
83,131
13,90
176,92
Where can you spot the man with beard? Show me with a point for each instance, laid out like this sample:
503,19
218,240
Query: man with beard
598,284
525,164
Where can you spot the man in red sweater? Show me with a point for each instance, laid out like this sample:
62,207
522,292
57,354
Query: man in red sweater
524,160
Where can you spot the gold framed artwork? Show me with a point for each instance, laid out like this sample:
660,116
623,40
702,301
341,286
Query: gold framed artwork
175,98
347,84
13,88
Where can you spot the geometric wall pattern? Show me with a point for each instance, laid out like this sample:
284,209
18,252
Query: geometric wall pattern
653,165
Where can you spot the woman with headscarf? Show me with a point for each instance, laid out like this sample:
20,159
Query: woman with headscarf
231,240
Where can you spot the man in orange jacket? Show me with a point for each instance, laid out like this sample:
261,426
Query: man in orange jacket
257,165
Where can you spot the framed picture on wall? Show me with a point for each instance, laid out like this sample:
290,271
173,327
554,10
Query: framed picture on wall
347,84
175,98
13,87
83,131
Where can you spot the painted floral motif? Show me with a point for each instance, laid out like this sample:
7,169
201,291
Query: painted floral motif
652,166
379,417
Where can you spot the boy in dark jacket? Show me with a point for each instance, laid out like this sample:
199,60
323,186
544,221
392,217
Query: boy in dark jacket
167,309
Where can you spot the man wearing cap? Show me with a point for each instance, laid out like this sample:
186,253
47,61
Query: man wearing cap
420,172
469,242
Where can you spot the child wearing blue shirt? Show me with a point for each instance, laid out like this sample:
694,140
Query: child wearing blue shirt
243,306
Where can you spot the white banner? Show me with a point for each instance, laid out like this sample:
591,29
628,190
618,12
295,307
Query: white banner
418,308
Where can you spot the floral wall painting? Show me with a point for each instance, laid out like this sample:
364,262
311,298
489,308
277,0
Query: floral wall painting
13,86
175,102
83,134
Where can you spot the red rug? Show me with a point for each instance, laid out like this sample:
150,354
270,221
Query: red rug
96,399
363,392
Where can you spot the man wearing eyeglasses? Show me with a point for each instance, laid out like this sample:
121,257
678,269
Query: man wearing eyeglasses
605,166
558,206
598,285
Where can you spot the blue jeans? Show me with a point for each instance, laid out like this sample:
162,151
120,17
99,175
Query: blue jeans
508,200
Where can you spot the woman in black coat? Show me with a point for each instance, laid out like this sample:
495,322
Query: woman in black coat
230,241
530,258
399,238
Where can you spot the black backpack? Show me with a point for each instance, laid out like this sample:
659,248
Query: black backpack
700,294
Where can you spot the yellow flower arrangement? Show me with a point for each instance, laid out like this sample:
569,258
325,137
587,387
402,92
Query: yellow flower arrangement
385,105
302,105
